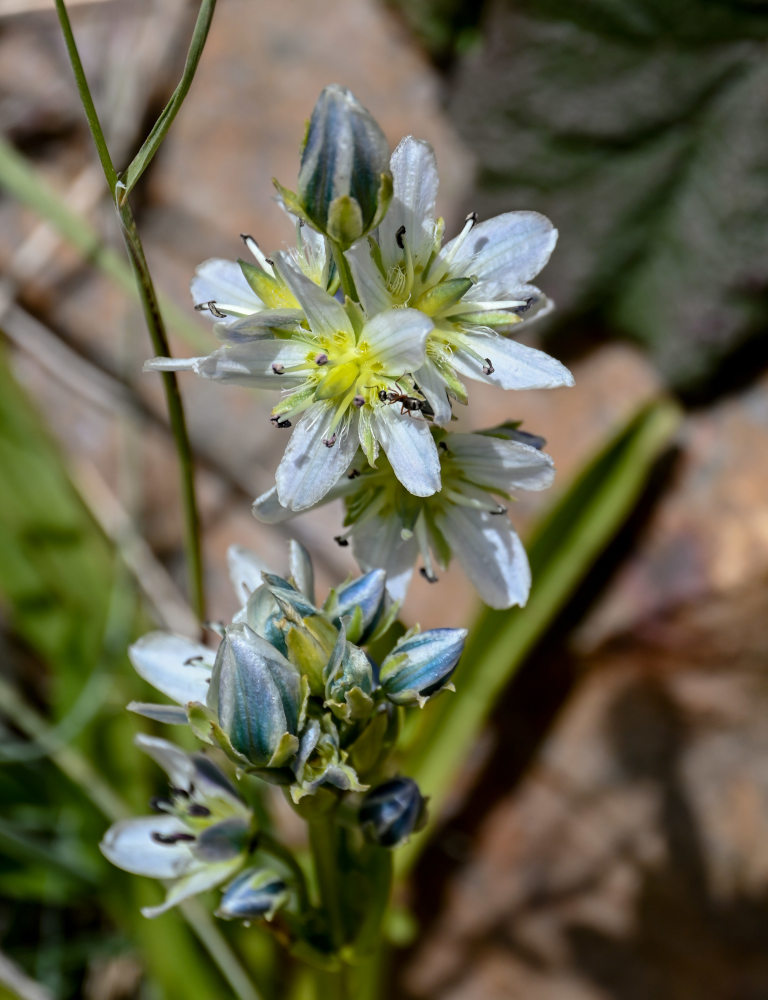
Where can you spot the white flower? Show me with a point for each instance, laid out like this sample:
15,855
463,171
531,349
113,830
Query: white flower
390,528
200,836
339,370
473,286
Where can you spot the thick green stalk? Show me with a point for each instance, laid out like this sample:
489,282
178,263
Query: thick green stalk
152,316
324,844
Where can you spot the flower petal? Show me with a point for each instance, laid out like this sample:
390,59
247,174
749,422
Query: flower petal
177,765
130,845
432,387
369,280
325,314
515,365
503,253
501,464
205,877
377,543
492,555
268,509
218,280
245,569
175,665
169,715
398,339
309,469
410,448
414,183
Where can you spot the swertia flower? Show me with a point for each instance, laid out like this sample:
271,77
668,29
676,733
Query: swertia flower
200,837
473,287
390,528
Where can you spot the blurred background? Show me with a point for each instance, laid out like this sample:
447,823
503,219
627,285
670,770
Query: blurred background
608,835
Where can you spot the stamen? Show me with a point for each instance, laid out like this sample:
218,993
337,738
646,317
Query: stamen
278,368
499,510
172,838
279,422
254,248
193,659
358,401
341,540
442,446
353,474
399,237
212,308
330,441
160,804
488,368
321,359
198,809
180,793
428,576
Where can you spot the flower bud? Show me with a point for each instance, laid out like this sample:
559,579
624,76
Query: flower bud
254,893
391,812
421,664
256,694
344,180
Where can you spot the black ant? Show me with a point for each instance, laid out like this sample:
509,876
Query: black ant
408,404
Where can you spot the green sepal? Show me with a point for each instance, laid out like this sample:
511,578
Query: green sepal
443,295
308,651
271,292
344,224
496,319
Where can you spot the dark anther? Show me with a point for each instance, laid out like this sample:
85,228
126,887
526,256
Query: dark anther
212,308
277,368
193,659
269,261
442,446
321,359
488,368
429,577
353,474
172,838
245,237
358,401
472,217
279,421
525,306
330,442
180,793
399,237
159,803
341,540
196,809
499,510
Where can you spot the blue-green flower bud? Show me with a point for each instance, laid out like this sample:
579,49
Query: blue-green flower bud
254,893
255,693
391,812
361,602
344,180
421,664
321,761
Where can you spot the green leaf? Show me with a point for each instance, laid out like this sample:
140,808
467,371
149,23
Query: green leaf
639,128
563,548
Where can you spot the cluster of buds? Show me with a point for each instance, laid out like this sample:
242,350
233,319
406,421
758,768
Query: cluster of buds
291,696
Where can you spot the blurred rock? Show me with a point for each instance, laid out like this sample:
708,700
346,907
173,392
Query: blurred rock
632,861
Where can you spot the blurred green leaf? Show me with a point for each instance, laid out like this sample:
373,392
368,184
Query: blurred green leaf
563,548
639,128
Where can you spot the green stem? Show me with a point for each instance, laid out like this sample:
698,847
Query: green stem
345,274
323,841
157,332
153,318
85,96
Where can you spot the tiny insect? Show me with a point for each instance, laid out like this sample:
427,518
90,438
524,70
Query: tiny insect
408,404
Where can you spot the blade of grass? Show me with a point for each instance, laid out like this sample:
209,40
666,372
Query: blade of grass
564,546
151,144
